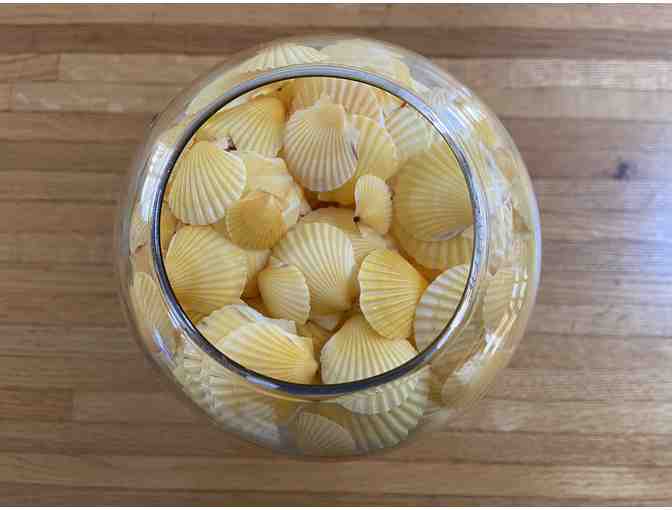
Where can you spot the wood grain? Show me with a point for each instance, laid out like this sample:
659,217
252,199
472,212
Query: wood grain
580,416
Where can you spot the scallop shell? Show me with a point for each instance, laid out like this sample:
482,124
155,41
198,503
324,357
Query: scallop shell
505,295
319,436
285,293
325,256
356,98
271,351
281,55
434,255
318,334
387,429
390,290
205,270
363,241
256,221
357,352
374,203
410,132
431,197
207,181
329,322
377,156
257,125
227,319
150,313
266,174
321,146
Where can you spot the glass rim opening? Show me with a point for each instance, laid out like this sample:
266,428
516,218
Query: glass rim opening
477,270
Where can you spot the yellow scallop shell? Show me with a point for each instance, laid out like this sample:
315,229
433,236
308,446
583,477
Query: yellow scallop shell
389,428
271,351
373,200
266,174
505,295
390,290
377,156
356,98
431,197
363,241
256,221
150,313
281,55
321,146
257,125
205,270
319,436
325,256
357,352
207,181
227,319
285,293
434,255
410,132
318,334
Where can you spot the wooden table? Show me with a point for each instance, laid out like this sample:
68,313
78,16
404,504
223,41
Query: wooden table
583,413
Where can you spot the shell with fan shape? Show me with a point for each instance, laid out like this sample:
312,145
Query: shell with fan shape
390,290
205,270
281,55
373,200
356,98
321,146
325,256
207,181
285,292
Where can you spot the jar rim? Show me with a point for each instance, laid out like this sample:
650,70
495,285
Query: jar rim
477,269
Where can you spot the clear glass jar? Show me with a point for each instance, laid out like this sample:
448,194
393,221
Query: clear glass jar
459,353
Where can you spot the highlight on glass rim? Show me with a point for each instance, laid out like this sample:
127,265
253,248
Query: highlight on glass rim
347,254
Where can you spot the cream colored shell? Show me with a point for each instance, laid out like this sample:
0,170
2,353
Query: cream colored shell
205,270
256,125
505,295
321,146
325,256
150,312
431,197
390,290
318,435
256,221
281,55
285,293
356,98
207,181
373,200
271,351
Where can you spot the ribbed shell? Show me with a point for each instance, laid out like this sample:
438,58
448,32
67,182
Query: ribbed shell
390,290
321,146
505,295
257,125
325,256
271,351
139,230
205,270
431,197
256,221
207,181
285,293
410,132
373,200
317,333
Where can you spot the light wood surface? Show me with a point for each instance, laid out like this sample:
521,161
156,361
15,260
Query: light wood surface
582,415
